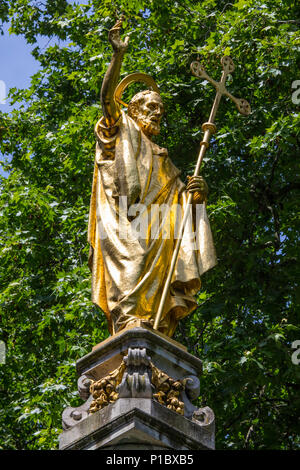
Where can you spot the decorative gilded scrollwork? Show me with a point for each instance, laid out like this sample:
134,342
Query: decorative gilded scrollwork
104,391
132,379
168,390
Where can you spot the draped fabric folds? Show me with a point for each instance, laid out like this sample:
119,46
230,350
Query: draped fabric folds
136,205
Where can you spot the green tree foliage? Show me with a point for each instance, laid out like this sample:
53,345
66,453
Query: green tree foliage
247,317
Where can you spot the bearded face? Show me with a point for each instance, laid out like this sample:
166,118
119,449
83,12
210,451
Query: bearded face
148,113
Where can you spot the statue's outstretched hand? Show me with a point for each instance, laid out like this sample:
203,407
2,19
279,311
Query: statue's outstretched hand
114,38
198,187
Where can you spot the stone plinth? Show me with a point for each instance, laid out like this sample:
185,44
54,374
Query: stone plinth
138,386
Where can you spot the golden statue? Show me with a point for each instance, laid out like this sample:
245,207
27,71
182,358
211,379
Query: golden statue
137,202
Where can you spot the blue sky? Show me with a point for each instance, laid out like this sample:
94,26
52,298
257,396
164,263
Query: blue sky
17,64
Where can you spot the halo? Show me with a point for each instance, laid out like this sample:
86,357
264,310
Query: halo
133,77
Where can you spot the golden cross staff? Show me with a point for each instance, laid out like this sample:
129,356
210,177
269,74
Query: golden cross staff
208,128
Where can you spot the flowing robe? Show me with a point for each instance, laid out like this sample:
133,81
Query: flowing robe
136,205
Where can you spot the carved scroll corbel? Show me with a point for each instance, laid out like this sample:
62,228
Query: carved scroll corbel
72,416
204,417
191,392
136,381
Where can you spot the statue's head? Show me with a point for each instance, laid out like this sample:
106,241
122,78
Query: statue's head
146,109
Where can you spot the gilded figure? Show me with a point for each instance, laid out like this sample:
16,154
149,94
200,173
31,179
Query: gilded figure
132,222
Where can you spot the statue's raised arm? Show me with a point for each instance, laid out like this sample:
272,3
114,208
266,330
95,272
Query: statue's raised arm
110,108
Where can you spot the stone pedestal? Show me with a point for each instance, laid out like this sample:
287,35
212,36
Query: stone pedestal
138,386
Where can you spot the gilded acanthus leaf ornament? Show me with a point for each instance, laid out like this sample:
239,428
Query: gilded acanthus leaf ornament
138,377
167,390
104,391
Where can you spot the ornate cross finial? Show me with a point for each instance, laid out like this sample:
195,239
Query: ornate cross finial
209,128
228,67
